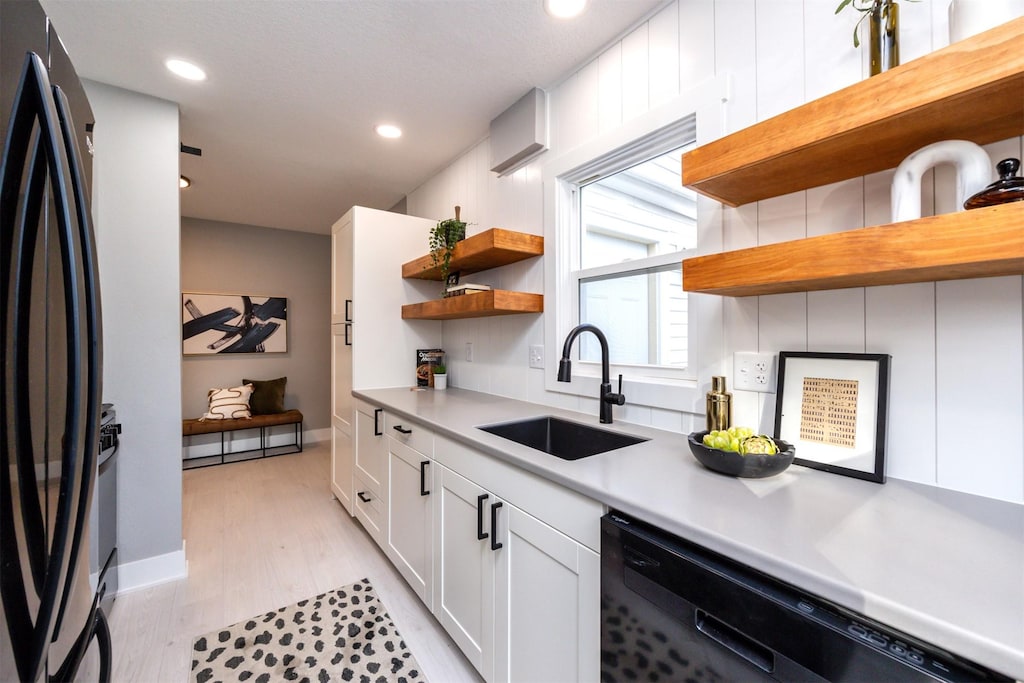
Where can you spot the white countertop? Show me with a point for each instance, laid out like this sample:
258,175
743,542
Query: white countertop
943,566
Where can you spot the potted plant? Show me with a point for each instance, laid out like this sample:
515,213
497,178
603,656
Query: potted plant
883,20
443,238
440,377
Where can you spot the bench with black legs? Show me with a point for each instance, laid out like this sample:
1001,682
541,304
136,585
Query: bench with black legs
195,427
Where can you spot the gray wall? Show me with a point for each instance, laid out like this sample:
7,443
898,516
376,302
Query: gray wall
226,258
135,206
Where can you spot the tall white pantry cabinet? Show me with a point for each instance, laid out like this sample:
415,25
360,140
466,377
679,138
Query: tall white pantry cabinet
371,346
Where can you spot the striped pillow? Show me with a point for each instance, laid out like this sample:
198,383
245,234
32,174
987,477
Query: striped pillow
229,403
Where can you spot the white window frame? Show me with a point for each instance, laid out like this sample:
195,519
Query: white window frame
700,110
676,135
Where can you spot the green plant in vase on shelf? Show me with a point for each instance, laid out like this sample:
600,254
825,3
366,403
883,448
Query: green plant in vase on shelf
883,23
443,238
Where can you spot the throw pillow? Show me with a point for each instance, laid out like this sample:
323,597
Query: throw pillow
267,395
229,403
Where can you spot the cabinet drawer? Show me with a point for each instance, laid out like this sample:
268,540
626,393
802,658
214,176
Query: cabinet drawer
369,509
370,453
410,433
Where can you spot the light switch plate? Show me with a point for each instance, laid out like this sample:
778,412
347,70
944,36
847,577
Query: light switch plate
754,372
537,356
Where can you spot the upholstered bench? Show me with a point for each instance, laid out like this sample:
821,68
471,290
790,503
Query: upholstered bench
194,427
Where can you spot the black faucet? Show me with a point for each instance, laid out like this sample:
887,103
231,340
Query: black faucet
606,397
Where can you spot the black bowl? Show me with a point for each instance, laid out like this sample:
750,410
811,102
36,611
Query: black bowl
751,466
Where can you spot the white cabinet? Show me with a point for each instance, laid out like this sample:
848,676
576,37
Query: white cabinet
369,463
465,567
410,525
370,458
520,598
546,604
341,417
506,560
341,365
371,346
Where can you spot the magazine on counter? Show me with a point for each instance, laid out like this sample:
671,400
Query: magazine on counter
426,359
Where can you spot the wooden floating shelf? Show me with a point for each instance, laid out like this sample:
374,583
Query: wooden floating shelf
985,242
483,251
970,90
478,305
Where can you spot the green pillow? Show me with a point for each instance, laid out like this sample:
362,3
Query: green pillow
267,396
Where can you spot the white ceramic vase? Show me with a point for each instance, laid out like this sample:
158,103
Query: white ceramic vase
968,17
973,173
440,382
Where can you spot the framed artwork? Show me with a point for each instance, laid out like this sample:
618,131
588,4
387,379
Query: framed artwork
233,323
834,408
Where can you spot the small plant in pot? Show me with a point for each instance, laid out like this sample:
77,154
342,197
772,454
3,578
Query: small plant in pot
440,376
443,238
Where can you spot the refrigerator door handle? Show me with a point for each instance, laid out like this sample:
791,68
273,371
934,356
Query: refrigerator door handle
85,258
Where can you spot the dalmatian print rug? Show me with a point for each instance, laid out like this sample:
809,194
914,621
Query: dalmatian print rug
342,635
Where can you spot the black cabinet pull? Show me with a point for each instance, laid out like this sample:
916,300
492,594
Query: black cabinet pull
363,497
402,430
423,478
494,526
348,334
480,533
376,422
348,311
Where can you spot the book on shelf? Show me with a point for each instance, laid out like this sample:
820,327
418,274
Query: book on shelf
468,288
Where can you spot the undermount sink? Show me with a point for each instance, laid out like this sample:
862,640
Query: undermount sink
562,438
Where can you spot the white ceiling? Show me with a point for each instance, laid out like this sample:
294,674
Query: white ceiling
295,87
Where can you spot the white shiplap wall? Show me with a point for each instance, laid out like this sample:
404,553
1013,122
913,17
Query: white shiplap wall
957,395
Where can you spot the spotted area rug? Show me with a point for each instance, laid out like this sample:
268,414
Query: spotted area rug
342,635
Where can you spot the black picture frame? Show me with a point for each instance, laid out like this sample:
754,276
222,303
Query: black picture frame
849,437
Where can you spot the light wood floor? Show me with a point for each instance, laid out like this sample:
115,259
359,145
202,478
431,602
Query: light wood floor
260,535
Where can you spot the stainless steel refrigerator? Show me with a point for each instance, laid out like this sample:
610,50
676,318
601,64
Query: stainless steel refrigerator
52,621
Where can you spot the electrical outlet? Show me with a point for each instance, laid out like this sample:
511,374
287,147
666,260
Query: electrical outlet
537,356
469,352
754,372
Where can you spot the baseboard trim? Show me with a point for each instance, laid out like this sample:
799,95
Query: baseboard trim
152,571
317,435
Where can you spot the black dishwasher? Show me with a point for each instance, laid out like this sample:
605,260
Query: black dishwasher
674,611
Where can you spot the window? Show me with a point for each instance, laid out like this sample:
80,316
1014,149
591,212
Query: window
622,222
620,266
629,222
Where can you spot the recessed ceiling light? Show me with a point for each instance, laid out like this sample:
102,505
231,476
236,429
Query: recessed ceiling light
185,69
386,130
183,182
564,9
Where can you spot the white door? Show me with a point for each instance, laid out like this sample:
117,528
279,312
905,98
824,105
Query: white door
370,453
547,605
341,271
410,526
464,567
341,466
342,455
341,374
385,345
